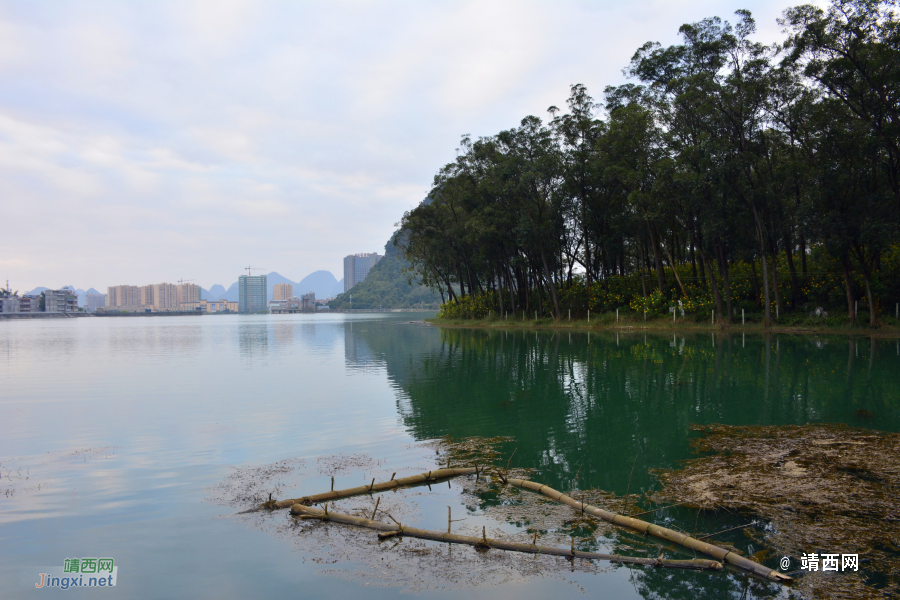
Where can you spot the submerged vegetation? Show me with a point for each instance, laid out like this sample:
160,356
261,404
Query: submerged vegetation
731,176
821,489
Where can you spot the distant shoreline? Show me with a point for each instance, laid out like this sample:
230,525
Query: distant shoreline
660,326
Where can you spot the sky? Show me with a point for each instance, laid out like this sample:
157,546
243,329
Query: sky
146,142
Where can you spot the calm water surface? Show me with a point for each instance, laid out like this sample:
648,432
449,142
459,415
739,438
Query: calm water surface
113,431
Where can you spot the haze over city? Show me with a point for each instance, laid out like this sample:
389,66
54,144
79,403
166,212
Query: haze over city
148,142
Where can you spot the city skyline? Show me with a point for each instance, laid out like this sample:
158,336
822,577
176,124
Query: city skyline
175,127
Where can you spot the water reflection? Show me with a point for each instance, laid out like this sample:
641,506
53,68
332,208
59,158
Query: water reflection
595,404
253,341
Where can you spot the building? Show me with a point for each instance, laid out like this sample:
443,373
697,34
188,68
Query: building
187,293
357,266
214,306
211,306
10,304
94,301
60,301
252,293
146,297
308,302
30,304
123,295
282,291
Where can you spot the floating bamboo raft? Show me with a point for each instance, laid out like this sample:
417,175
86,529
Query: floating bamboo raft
430,477
301,508
655,530
484,542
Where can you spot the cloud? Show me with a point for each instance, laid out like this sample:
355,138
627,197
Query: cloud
184,139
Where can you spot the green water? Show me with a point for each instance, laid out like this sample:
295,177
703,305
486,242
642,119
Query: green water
600,405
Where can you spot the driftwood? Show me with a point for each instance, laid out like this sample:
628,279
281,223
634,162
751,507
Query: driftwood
664,533
430,477
396,529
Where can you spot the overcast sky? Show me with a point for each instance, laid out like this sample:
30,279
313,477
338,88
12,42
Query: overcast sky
144,142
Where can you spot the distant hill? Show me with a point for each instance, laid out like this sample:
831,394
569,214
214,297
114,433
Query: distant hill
337,289
323,283
79,293
214,293
387,286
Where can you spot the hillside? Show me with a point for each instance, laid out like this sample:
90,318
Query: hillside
386,286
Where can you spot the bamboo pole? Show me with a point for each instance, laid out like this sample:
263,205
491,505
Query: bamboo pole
484,542
423,478
655,530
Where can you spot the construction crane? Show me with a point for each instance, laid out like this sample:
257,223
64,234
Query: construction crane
251,269
180,281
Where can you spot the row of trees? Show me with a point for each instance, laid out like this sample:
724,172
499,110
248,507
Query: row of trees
723,152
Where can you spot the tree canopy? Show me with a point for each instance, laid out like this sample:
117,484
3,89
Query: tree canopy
724,163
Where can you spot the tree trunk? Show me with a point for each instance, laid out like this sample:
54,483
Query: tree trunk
672,264
762,253
726,280
778,304
654,245
550,284
851,301
795,281
803,254
712,284
755,283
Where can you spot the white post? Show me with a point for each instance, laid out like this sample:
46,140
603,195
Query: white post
645,314
570,314
535,315
713,316
776,311
617,315
742,317
673,316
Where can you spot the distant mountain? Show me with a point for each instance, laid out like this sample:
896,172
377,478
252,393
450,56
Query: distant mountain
322,283
337,289
231,294
214,293
79,293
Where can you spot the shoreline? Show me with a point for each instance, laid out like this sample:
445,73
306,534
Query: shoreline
661,326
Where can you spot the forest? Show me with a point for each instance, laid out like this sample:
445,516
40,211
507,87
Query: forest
727,175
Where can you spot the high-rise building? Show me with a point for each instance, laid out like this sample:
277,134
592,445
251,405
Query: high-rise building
187,293
165,296
356,267
94,301
123,295
252,293
282,291
146,297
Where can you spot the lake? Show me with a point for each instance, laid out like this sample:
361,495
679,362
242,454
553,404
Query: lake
137,438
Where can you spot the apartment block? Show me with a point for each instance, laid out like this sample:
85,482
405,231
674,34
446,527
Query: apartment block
123,295
357,266
187,293
164,296
60,301
252,293
94,301
282,291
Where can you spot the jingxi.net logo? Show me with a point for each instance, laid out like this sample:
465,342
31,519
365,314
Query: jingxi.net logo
79,572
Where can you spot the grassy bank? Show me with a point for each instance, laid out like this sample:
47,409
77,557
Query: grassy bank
889,326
